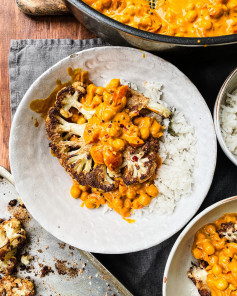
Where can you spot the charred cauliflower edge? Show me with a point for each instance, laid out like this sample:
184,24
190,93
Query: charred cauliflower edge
12,286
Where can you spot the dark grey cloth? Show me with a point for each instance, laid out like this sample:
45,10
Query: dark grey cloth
141,272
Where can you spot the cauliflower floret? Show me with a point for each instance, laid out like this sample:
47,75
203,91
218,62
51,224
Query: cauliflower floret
137,101
12,286
58,128
141,163
198,276
12,235
99,178
68,97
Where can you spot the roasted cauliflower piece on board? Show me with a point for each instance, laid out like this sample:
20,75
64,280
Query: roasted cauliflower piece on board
141,163
198,276
12,286
12,236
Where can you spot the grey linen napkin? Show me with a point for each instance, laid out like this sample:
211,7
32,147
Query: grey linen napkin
141,272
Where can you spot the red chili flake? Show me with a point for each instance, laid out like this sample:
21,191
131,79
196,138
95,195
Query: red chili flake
134,158
110,125
106,136
123,126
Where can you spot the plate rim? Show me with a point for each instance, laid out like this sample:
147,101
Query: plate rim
207,111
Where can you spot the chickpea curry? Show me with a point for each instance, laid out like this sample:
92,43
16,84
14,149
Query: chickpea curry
181,18
215,247
107,139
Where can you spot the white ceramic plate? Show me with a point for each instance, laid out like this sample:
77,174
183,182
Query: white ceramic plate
175,280
44,185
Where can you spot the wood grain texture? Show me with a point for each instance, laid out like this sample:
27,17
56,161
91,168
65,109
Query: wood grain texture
16,25
43,7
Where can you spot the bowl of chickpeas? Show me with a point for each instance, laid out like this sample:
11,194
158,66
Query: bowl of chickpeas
202,259
159,25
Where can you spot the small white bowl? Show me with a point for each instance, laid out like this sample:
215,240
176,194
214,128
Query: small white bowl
176,281
228,87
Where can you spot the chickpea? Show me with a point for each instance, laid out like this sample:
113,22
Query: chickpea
216,11
191,16
107,115
206,24
115,131
91,203
123,19
118,145
233,266
75,191
97,100
127,203
190,6
98,6
144,199
145,22
117,203
106,3
84,188
197,253
209,248
170,16
145,133
81,120
152,190
107,97
216,269
84,196
129,10
131,193
210,228
221,284
136,204
155,129
99,91
122,189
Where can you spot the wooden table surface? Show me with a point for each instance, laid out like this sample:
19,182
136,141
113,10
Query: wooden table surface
15,25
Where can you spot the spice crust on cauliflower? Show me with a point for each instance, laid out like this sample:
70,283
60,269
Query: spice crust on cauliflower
12,236
12,286
141,163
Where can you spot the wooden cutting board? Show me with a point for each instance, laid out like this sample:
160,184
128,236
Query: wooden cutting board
43,7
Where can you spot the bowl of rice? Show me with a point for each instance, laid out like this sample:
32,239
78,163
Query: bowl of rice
225,117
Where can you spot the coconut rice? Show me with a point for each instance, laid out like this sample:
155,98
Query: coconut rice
228,122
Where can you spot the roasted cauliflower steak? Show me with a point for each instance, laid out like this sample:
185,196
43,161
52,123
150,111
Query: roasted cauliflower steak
68,144
74,154
12,236
12,286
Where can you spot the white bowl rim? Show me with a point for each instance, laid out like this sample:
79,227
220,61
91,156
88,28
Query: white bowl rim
216,116
126,48
184,232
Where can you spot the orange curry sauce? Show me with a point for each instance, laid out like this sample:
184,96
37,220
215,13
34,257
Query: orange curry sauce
220,255
181,18
110,131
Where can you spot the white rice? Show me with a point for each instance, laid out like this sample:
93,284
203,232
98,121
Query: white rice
175,176
228,122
